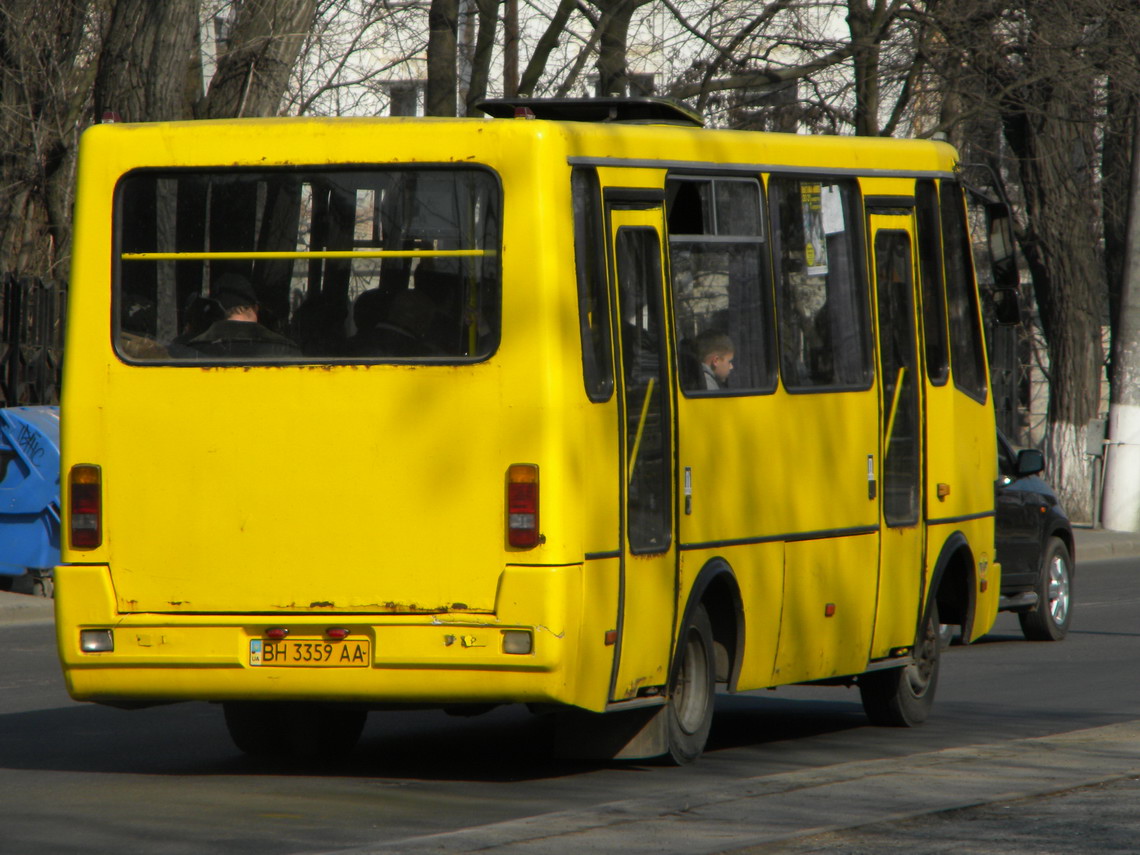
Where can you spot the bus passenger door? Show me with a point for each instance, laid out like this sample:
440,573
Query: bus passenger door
647,594
900,461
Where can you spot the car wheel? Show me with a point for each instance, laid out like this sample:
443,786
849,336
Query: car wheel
902,697
692,691
1049,620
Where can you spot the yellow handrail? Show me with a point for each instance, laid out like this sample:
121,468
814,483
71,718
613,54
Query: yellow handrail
894,407
329,253
640,429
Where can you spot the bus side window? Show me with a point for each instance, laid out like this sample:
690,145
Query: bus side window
933,292
593,302
822,301
967,352
721,288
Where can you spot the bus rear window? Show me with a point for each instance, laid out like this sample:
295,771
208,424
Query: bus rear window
307,265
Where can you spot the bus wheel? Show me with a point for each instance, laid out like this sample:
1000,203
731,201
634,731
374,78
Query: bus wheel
303,731
690,707
258,729
902,697
324,731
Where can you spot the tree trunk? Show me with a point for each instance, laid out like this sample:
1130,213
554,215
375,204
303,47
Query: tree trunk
613,74
146,60
1116,189
865,55
254,69
1121,510
442,82
484,51
546,44
510,48
1060,247
45,100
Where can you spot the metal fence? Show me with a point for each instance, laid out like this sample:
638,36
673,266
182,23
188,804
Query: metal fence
32,314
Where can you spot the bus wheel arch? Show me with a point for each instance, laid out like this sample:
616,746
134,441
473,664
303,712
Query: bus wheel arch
954,584
716,589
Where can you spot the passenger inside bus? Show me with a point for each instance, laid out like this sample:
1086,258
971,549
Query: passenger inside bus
715,352
198,315
239,333
405,324
137,327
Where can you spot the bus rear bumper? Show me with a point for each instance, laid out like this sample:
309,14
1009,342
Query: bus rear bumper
421,659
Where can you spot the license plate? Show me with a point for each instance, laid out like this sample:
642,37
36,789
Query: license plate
311,653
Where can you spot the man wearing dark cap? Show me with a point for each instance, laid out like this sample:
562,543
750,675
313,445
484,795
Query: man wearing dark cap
239,334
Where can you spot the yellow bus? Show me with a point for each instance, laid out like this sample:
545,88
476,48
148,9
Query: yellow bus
581,406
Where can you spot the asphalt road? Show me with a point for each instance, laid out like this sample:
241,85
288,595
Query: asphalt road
1022,735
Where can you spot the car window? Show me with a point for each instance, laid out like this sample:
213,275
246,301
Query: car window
1007,458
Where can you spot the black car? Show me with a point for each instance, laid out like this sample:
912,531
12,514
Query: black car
1034,546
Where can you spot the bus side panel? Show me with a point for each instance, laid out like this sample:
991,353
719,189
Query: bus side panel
962,432
595,659
790,467
828,608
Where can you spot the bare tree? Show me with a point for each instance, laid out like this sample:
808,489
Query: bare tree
482,55
47,50
147,61
349,57
1037,67
443,80
253,70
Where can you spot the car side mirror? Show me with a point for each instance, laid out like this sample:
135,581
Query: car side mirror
1003,255
1030,461
1007,306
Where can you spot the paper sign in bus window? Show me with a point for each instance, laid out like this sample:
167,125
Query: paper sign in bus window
815,239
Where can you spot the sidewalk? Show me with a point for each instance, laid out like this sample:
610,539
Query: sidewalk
24,609
771,813
1092,545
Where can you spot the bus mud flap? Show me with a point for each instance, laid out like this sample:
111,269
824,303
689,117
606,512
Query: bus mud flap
635,734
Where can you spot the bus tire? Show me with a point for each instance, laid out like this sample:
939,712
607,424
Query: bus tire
902,697
691,692
1049,619
257,729
288,730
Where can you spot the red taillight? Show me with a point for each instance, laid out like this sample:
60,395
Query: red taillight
522,505
86,511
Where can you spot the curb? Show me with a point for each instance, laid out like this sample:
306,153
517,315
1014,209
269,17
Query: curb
1097,544
751,814
25,609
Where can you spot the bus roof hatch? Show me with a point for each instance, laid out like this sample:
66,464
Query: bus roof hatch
637,110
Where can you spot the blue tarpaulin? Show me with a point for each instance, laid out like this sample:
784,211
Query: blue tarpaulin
29,489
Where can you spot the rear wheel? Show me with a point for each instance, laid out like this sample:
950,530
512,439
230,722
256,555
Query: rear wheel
1049,620
257,729
692,691
902,697
293,730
